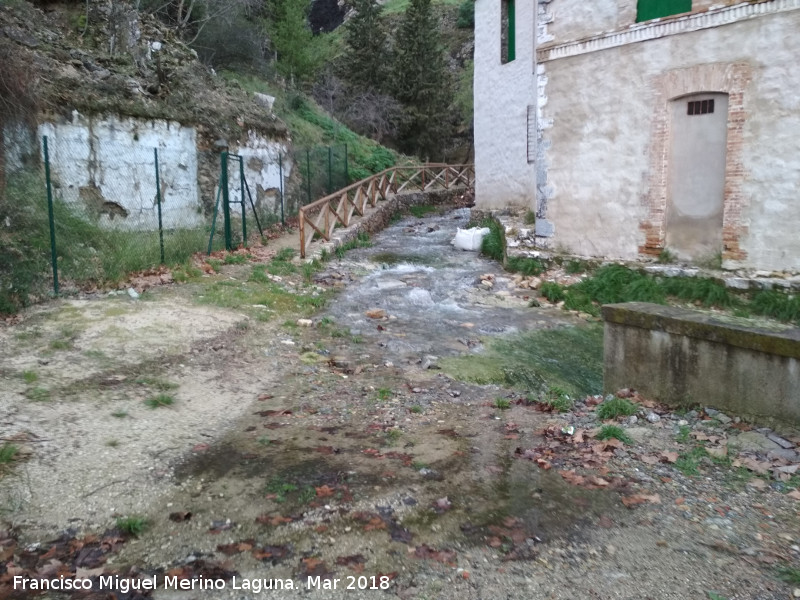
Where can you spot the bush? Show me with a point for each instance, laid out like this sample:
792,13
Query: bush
552,291
616,407
494,244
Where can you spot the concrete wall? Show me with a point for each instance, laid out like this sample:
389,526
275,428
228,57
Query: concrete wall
684,357
605,133
105,165
502,94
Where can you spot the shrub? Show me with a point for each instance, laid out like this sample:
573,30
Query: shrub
552,291
616,407
466,15
494,244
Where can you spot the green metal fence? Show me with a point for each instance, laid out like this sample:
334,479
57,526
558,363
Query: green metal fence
315,172
96,210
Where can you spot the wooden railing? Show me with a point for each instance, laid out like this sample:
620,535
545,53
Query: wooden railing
321,217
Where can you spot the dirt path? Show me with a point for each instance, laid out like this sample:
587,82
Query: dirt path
352,448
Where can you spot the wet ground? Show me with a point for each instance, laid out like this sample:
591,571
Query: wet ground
358,447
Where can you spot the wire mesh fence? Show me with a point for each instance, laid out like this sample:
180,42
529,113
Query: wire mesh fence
92,209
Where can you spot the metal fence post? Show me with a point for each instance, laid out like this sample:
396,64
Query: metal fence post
158,201
53,255
330,170
244,211
280,171
226,207
308,175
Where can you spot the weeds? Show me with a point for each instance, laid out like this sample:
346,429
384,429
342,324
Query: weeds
683,434
392,436
160,401
525,266
493,244
156,382
616,407
667,257
214,263
7,453
688,462
530,218
575,266
38,394
608,432
29,376
558,400
789,575
552,291
384,394
420,210
119,414
776,305
415,409
236,259
280,489
132,525
502,403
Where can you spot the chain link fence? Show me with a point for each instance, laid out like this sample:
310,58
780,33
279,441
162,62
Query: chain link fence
92,211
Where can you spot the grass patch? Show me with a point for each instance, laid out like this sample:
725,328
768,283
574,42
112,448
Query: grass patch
688,462
776,305
570,358
360,241
552,291
38,394
160,401
394,258
132,525
530,218
616,407
280,489
420,210
493,244
789,575
608,432
7,453
384,394
415,409
119,414
392,436
525,266
502,403
214,263
30,377
557,400
243,295
666,257
236,259
683,434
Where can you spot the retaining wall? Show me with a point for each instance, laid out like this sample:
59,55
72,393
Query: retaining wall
684,357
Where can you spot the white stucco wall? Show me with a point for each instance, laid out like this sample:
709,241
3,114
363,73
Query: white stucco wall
502,93
602,103
115,157
109,162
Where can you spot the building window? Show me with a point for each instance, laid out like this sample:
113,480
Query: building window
653,9
700,107
508,40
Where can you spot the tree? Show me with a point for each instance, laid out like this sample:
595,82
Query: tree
190,17
366,47
422,82
299,53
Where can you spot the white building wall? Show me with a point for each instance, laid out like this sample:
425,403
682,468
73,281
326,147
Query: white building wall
600,108
502,94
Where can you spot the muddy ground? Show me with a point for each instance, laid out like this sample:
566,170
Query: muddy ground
250,445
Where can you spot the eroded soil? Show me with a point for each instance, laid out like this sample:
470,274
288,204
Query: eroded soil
345,448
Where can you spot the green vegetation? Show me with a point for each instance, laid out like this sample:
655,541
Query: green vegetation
416,409
160,401
420,210
789,575
683,434
616,407
30,376
119,414
608,432
7,453
525,266
688,462
38,394
384,394
300,54
557,400
502,403
132,525
494,243
466,15
552,291
236,259
280,489
360,241
569,358
666,257
392,436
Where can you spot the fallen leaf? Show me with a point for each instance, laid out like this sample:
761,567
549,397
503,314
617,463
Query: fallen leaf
324,491
794,494
641,499
355,562
669,457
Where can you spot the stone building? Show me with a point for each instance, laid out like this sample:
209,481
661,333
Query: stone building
633,127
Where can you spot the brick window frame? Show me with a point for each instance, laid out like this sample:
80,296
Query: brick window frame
731,79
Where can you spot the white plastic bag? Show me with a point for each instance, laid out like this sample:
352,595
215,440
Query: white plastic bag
470,239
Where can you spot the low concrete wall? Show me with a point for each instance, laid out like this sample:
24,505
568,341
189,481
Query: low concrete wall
680,356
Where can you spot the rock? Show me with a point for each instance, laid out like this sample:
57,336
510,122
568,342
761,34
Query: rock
632,420
639,434
376,313
785,444
753,441
723,418
133,293
683,423
783,454
487,283
429,362
264,100
305,322
652,417
391,284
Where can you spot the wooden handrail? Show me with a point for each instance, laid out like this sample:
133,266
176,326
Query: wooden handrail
385,184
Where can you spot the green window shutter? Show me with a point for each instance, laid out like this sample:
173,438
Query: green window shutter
512,41
653,9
